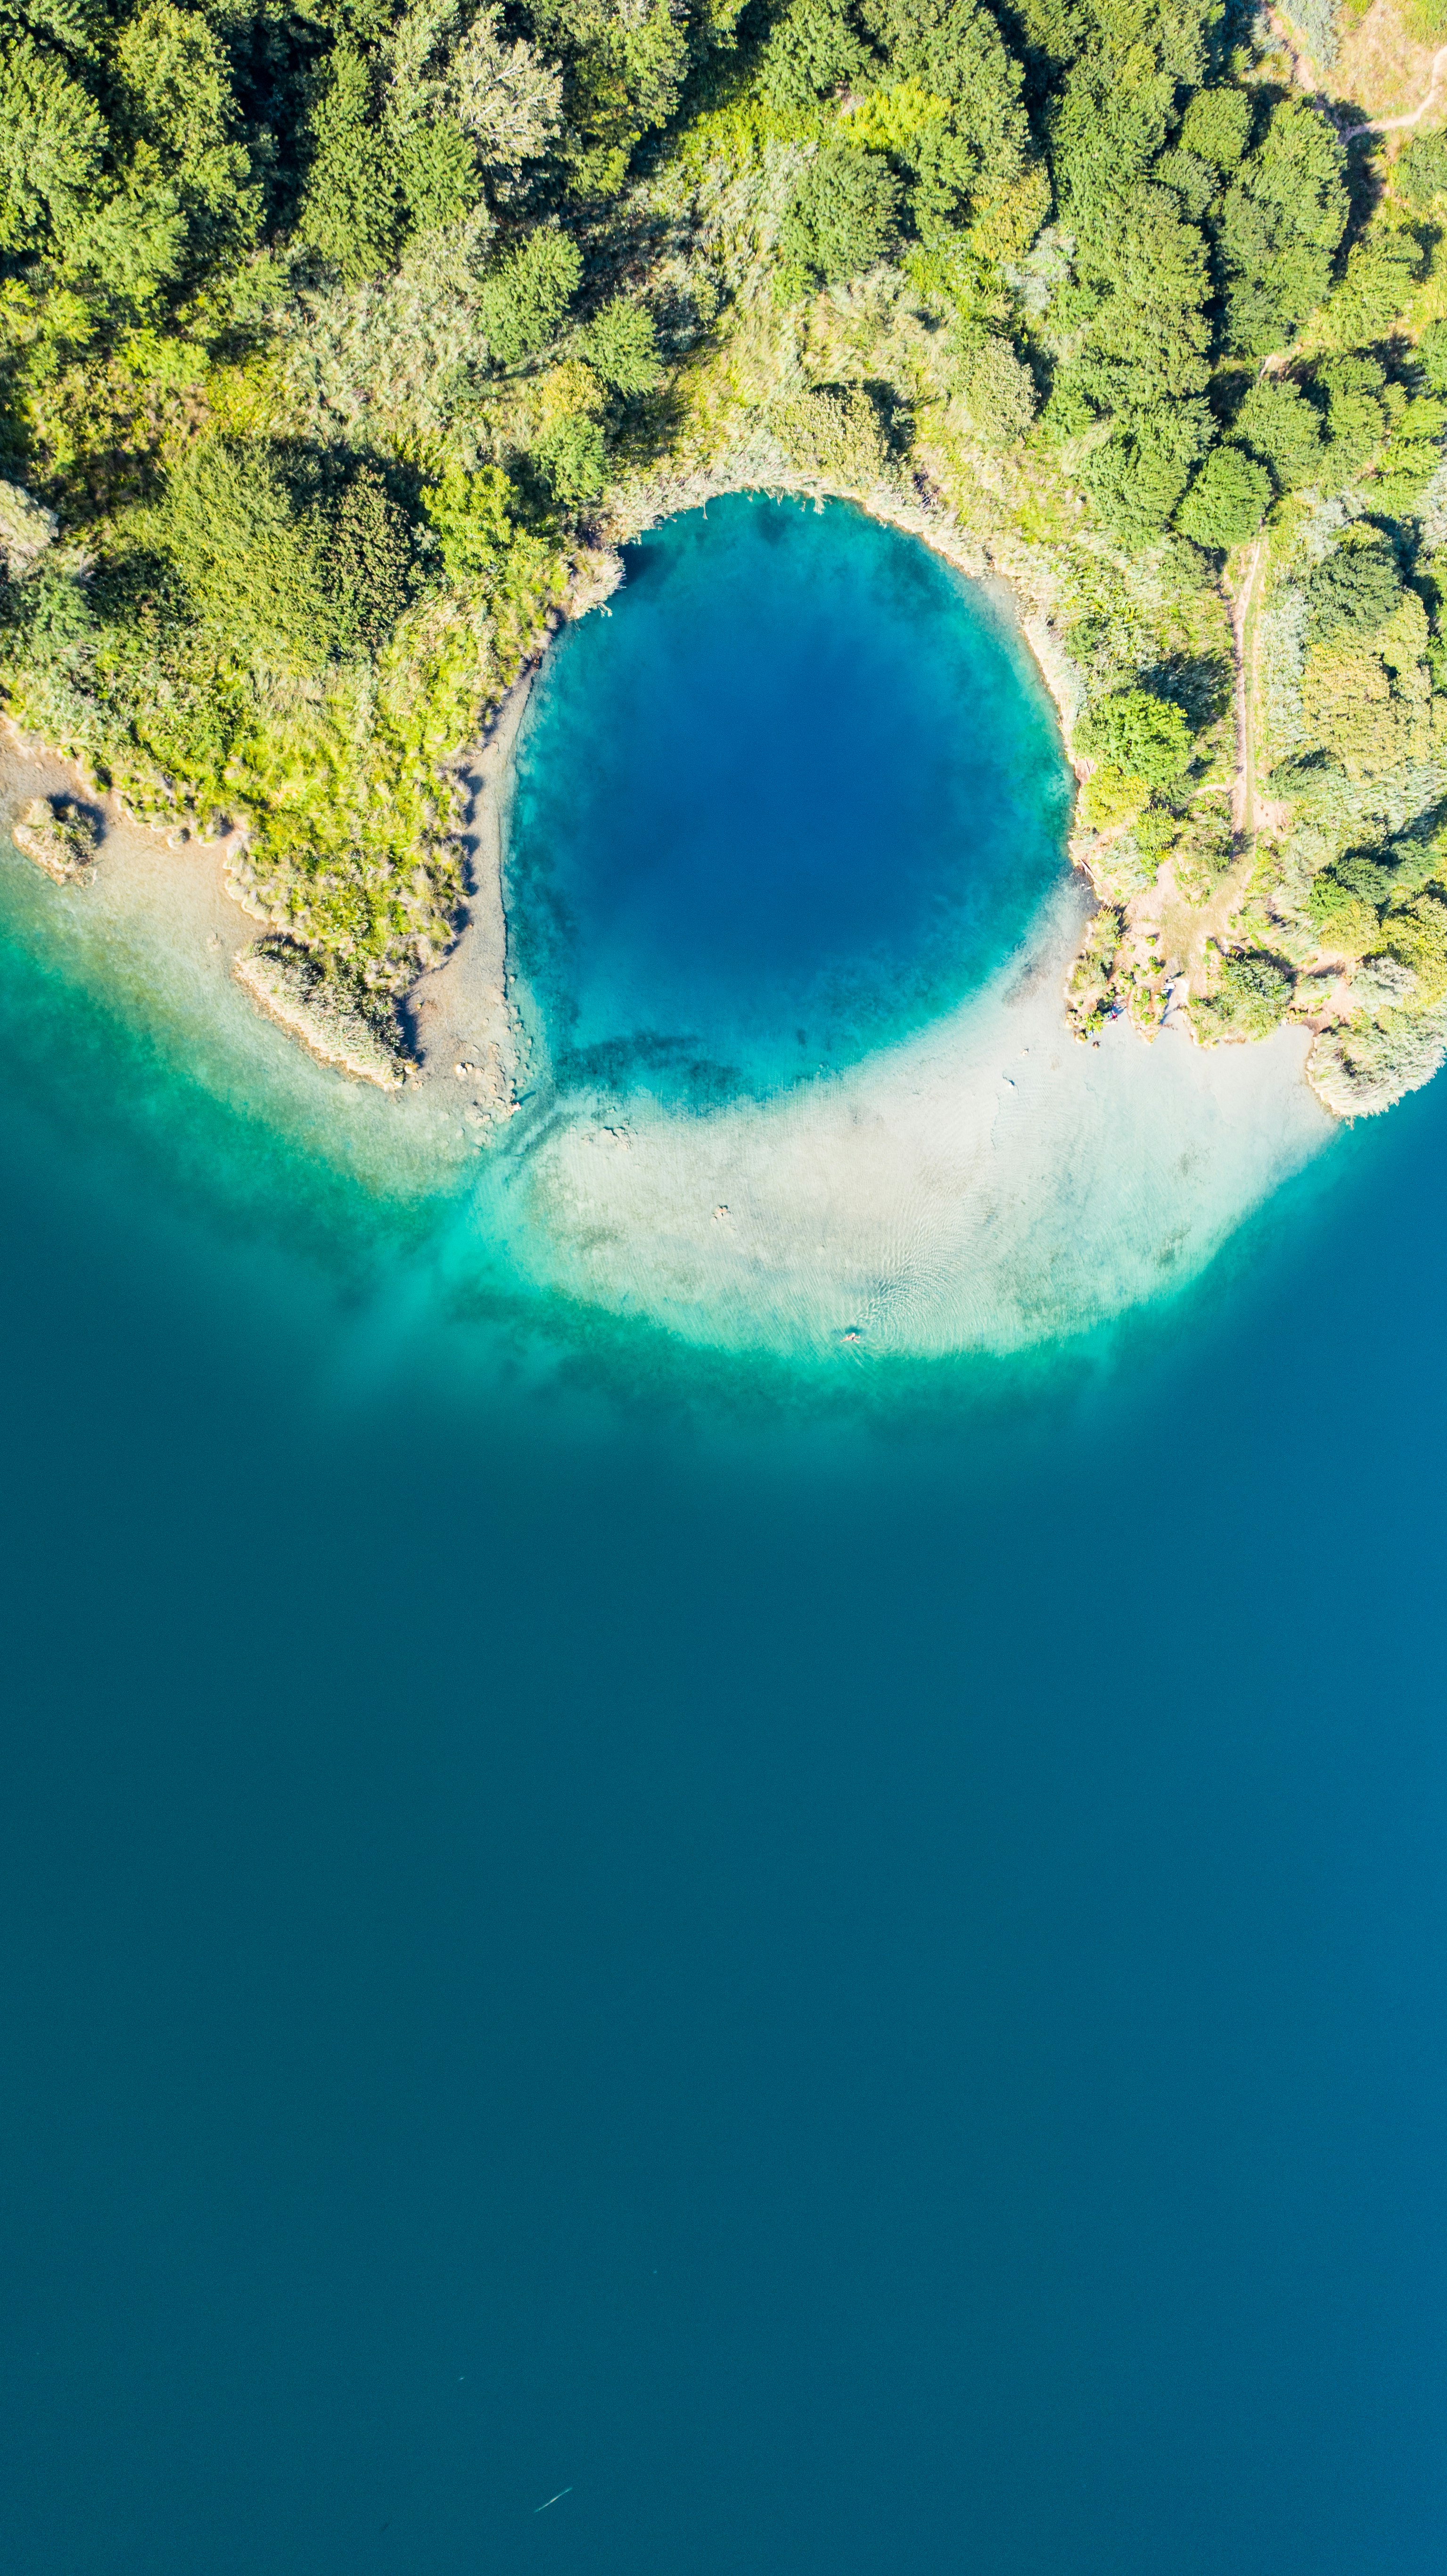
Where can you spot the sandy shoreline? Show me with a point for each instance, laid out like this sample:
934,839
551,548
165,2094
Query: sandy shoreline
982,1184
460,1015
456,1015
30,769
979,1186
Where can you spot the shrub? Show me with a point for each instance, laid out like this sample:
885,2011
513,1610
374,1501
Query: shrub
1418,937
249,559
53,621
472,516
371,568
832,431
1156,832
1365,1068
1112,797
1205,849
1345,923
999,394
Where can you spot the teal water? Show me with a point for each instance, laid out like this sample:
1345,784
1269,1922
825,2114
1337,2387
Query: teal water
790,902
839,1966
797,792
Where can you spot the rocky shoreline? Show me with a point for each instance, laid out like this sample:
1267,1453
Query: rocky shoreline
60,835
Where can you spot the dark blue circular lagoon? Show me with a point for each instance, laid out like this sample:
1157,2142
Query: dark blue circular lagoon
799,791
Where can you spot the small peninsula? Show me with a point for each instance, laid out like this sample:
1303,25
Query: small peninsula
344,346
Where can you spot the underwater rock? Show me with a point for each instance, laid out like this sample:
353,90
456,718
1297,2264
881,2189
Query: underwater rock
59,835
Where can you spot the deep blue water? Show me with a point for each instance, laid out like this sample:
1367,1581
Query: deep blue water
854,1978
799,790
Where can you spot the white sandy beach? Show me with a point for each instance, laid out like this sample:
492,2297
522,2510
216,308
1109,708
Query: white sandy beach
985,1184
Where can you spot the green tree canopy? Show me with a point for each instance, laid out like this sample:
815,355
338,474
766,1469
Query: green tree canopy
1216,127
351,210
1149,336
622,346
813,48
623,69
1432,356
437,172
573,459
1280,227
1381,271
52,144
1279,424
1143,735
1137,478
1227,501
1355,589
1420,172
1356,416
525,299
843,217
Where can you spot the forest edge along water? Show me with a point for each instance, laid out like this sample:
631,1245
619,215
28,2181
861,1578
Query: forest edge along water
951,1167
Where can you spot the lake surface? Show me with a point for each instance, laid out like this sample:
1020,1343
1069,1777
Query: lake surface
798,790
837,1964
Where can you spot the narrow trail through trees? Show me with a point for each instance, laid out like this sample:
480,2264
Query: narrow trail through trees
1396,124
1243,790
1310,82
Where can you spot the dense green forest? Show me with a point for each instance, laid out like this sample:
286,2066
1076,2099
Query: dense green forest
341,339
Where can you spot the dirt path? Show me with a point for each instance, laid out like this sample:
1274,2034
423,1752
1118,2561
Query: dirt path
1312,83
1395,124
1243,787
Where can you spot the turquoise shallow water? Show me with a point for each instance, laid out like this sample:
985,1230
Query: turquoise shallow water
844,1962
